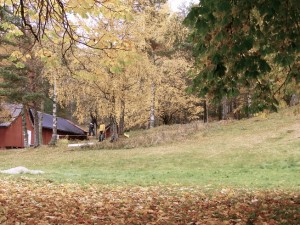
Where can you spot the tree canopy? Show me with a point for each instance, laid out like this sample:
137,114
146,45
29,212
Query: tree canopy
129,60
245,47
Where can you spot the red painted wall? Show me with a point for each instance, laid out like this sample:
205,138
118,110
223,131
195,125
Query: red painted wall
12,136
47,135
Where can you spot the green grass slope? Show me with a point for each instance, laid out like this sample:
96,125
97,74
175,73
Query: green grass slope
258,153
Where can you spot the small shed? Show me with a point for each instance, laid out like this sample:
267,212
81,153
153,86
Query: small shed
11,132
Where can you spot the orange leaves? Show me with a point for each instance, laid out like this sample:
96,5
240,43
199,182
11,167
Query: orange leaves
24,202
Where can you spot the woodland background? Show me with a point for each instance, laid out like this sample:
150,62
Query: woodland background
136,64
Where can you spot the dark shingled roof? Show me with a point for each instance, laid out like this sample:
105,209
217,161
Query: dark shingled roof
62,124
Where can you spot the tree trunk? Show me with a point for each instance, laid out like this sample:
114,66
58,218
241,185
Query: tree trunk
53,140
113,121
294,100
249,103
122,117
205,112
153,93
225,108
94,121
219,111
24,126
236,112
152,109
41,122
36,125
113,129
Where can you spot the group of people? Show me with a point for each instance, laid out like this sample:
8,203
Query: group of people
101,131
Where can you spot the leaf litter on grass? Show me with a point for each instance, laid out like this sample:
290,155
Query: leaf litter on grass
26,202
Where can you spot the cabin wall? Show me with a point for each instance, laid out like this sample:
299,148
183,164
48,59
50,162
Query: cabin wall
47,135
12,136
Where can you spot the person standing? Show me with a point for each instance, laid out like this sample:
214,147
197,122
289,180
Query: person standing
91,129
102,132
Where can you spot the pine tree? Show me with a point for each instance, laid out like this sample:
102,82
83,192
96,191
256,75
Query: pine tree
20,69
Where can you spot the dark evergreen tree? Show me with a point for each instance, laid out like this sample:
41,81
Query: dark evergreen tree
20,70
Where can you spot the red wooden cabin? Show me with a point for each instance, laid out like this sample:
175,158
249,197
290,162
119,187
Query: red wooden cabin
11,132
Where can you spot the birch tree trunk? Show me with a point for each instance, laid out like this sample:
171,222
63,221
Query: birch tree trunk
36,125
153,93
41,122
152,109
249,103
294,100
24,127
113,121
53,140
122,115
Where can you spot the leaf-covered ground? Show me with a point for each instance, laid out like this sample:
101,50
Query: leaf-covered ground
25,202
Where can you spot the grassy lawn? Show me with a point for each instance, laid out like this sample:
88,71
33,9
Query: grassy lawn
240,172
259,153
